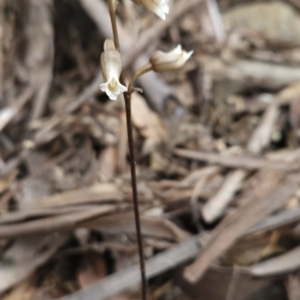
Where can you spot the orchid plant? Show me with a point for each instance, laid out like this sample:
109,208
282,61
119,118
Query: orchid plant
114,85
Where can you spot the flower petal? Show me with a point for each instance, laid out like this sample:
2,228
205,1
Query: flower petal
104,87
159,7
166,61
177,50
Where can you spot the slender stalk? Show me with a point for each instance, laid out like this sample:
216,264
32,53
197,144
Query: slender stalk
135,195
111,6
139,73
127,97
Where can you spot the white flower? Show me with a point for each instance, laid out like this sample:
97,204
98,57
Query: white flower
166,61
113,88
111,65
159,7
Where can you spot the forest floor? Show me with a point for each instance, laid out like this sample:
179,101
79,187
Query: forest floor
216,142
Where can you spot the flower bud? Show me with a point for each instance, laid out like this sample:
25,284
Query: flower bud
111,65
166,61
159,7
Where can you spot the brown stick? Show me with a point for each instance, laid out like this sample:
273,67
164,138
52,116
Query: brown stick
165,261
246,162
261,202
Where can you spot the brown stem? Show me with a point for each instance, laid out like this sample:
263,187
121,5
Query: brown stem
127,97
139,73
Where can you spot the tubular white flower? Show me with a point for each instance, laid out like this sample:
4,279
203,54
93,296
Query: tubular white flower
111,65
166,61
113,88
159,7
